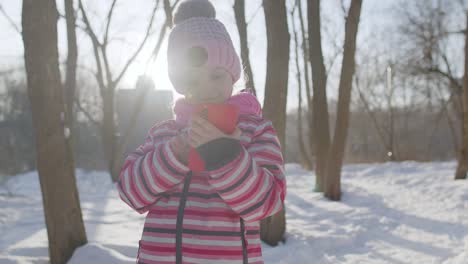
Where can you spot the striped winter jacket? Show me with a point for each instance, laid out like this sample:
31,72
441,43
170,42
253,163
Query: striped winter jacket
208,217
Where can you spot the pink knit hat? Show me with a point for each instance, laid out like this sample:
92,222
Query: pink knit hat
198,39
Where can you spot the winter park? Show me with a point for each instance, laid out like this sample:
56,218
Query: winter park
233,131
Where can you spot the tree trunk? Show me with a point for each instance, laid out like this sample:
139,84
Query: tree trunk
276,89
109,132
391,151
55,163
305,58
321,132
72,57
463,160
336,153
239,10
70,78
306,161
305,158
144,84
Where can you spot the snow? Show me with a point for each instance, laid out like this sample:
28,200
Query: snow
405,212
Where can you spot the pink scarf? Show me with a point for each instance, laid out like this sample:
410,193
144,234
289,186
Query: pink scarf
245,100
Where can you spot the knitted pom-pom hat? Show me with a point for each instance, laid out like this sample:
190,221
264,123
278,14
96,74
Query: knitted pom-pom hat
198,39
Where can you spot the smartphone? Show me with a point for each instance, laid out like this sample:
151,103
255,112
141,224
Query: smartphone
223,116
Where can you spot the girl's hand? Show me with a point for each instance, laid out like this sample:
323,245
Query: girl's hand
202,131
180,146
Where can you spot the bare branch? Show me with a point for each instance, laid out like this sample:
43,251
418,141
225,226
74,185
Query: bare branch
305,156
254,14
343,9
142,44
12,23
156,50
446,75
371,114
444,110
86,113
168,10
61,16
96,46
332,60
109,19
168,24
72,58
305,51
461,31
139,102
88,28
119,39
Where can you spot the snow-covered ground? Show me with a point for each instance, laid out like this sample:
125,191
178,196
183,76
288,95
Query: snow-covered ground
390,213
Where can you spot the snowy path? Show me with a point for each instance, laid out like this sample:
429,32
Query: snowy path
391,213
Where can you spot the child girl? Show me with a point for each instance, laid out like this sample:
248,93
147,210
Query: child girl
212,216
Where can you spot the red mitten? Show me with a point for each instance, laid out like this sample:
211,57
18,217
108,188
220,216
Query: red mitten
195,162
224,117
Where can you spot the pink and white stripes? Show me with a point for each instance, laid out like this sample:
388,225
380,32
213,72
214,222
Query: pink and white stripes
251,188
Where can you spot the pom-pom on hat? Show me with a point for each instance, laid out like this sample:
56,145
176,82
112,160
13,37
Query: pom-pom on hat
199,39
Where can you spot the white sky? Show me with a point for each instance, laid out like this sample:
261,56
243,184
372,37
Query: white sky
130,23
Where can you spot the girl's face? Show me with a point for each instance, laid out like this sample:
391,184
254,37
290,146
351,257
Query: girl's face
206,84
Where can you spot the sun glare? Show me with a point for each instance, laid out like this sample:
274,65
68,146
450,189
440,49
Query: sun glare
155,69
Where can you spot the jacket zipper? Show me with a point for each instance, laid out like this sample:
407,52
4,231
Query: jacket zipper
180,217
245,256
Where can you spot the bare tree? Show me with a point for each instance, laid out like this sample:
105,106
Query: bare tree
321,129
55,161
336,153
108,81
307,82
306,159
462,167
72,61
239,10
390,92
365,86
17,152
72,58
276,89
144,85
428,33
367,80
